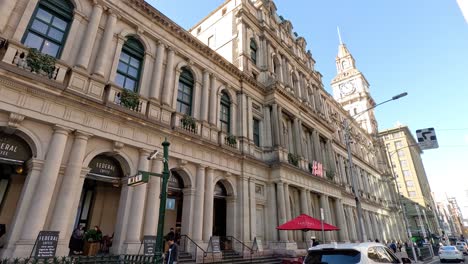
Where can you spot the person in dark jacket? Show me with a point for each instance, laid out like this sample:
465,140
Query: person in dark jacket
170,235
173,252
77,241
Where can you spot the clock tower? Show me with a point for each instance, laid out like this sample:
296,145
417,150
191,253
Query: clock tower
351,90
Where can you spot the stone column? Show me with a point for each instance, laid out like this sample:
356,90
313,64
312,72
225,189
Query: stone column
70,189
45,187
343,233
253,209
7,9
153,200
168,78
187,212
304,207
89,37
19,29
208,209
244,207
103,56
155,92
316,140
196,101
137,209
331,157
326,211
275,125
290,139
281,135
298,138
283,235
233,118
249,118
231,215
369,229
198,204
288,209
272,209
205,96
267,127
17,224
213,94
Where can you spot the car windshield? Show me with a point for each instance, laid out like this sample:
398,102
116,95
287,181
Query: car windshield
334,256
448,248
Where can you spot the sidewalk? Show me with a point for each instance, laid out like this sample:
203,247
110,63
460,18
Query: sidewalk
403,254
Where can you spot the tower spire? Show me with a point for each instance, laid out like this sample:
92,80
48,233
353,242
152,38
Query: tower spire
339,35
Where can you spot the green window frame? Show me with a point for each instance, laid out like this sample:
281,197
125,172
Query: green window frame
49,25
253,51
225,113
256,132
130,64
185,92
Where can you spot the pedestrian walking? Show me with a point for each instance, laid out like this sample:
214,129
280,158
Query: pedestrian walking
399,245
393,246
76,243
173,252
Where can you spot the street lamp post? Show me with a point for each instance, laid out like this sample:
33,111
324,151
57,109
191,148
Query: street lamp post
361,233
162,204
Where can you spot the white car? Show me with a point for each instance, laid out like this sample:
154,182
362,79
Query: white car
352,253
463,247
450,253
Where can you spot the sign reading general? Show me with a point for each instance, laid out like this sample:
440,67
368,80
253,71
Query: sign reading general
149,245
13,148
105,166
46,244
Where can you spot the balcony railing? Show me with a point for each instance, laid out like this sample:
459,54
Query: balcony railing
117,96
17,55
186,123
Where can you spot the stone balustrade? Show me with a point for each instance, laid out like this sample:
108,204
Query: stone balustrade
186,124
17,55
116,96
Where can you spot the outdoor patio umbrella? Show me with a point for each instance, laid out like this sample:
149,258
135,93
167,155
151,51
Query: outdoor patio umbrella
306,223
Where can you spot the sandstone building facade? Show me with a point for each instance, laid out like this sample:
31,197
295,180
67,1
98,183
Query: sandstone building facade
255,138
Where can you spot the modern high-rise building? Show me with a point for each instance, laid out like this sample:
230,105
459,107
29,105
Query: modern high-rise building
88,89
404,155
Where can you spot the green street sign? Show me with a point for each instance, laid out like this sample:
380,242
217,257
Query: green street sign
140,178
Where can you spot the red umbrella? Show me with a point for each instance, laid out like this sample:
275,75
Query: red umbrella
306,223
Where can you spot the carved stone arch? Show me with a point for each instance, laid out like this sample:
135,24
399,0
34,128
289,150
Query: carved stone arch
186,176
31,138
229,91
228,185
196,74
126,164
78,6
143,40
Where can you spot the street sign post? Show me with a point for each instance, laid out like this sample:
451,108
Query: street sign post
427,138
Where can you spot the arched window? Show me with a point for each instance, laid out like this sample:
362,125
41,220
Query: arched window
48,27
253,51
185,92
130,62
225,113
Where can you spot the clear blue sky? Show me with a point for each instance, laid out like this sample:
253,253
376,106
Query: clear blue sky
417,46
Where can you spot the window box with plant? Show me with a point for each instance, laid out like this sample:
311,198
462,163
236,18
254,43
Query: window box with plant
293,159
40,63
129,99
231,140
188,123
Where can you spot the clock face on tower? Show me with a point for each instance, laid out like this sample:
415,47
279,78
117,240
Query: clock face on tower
347,88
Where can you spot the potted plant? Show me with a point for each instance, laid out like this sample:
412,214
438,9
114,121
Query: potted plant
188,122
92,242
129,99
231,140
40,63
293,159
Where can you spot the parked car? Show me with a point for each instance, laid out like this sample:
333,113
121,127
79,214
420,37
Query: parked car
462,246
450,253
352,253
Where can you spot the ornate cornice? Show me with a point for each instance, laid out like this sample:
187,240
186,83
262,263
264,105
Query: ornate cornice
192,41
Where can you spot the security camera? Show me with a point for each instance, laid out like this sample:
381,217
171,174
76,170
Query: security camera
153,155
